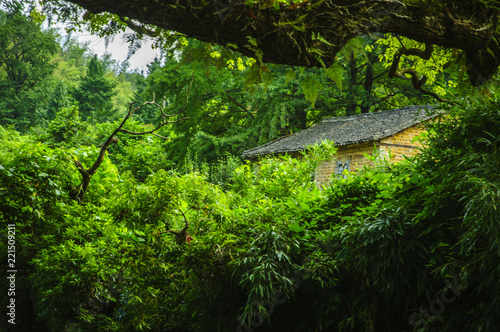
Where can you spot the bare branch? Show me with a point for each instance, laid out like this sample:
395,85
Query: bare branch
182,236
87,173
152,130
239,105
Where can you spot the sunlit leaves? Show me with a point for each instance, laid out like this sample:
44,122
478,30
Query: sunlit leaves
311,87
335,73
441,59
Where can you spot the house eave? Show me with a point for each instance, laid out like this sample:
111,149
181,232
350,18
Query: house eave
397,121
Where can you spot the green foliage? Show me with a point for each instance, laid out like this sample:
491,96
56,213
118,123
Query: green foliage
38,77
141,155
234,104
441,81
265,248
24,68
269,250
67,128
311,88
34,186
71,62
95,93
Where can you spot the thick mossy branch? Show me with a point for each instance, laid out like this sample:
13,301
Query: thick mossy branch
310,33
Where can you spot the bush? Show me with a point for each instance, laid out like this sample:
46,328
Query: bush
412,246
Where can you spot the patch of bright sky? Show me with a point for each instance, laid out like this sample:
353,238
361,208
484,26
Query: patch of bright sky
118,48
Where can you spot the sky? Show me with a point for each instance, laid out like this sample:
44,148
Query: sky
118,49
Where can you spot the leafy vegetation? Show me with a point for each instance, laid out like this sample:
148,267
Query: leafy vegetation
364,253
176,233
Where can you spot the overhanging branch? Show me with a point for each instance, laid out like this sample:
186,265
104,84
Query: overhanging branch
139,29
310,34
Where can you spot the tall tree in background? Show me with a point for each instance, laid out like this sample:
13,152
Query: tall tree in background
95,93
360,81
25,53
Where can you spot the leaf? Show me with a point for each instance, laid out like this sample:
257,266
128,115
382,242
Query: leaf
321,39
311,87
336,73
290,75
252,41
233,46
296,228
353,48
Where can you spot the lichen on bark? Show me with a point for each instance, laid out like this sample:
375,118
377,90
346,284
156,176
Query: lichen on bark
310,33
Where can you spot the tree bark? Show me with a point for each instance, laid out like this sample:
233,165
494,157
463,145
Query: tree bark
310,33
352,103
368,82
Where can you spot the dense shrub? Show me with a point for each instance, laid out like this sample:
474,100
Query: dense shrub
412,246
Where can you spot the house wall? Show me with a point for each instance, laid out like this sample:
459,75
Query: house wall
397,145
401,143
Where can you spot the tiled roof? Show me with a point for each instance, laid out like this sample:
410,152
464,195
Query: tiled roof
347,130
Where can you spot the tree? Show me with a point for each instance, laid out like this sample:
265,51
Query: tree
72,61
311,33
236,105
224,116
95,93
25,54
87,173
59,98
390,249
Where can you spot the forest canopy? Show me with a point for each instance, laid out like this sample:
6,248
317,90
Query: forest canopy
126,205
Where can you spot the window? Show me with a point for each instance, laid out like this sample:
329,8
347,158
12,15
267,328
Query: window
341,167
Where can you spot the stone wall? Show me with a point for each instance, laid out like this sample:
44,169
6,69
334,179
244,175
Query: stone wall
396,146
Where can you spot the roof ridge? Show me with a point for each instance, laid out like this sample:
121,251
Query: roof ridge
377,113
348,130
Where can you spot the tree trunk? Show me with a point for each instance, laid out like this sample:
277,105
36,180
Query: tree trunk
368,83
353,77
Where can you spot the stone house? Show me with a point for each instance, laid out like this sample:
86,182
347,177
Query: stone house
391,133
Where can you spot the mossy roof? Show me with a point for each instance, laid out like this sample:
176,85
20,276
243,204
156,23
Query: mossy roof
347,130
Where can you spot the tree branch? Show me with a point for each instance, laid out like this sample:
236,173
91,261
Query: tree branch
152,131
182,236
244,109
87,173
417,82
139,29
381,74
312,32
